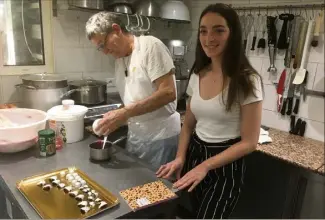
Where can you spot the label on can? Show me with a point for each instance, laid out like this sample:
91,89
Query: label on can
60,133
46,141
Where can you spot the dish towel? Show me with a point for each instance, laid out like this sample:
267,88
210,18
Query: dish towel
264,137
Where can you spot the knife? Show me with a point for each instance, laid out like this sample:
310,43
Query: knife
280,89
290,93
297,98
303,87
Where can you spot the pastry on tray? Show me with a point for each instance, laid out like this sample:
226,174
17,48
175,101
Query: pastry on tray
146,195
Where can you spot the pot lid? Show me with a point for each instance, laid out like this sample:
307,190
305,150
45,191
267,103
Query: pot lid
45,81
87,82
44,77
61,113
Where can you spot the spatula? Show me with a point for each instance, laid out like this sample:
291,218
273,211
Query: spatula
301,72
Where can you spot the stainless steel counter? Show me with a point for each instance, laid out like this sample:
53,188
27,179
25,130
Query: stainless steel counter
121,172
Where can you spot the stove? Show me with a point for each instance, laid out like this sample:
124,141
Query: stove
9,207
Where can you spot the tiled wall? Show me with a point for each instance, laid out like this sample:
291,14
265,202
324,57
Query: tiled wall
313,109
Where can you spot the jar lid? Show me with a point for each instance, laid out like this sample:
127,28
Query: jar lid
74,112
46,132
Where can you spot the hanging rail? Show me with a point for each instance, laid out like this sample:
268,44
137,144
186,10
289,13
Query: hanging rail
307,6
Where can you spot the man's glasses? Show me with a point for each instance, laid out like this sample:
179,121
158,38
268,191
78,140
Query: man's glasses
101,46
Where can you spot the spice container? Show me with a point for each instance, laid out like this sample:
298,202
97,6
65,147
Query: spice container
46,142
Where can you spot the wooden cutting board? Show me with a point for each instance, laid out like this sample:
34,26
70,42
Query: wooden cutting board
149,194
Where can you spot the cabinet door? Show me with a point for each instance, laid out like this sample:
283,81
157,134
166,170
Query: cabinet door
313,205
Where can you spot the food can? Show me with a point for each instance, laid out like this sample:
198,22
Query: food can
46,142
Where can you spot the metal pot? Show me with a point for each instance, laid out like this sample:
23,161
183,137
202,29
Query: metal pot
147,8
97,153
87,91
90,4
42,91
125,9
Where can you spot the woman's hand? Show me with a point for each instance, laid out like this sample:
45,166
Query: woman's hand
165,171
193,177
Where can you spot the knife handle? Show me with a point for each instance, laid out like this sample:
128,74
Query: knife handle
290,100
254,41
284,106
245,43
292,124
296,108
302,128
297,126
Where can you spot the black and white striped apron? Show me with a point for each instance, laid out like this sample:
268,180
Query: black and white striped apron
217,194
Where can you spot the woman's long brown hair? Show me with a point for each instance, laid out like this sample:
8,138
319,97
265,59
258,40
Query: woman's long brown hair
235,64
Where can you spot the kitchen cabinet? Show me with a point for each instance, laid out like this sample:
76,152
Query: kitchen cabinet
277,189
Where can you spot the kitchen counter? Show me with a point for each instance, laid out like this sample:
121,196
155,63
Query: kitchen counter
300,151
121,172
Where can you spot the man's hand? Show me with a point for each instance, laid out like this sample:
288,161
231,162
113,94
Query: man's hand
111,121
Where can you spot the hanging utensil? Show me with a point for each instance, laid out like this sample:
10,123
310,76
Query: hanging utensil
288,55
262,42
290,94
300,75
319,20
295,39
300,44
282,41
271,29
248,26
256,25
280,89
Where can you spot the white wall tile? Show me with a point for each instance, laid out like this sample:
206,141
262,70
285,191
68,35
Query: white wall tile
69,60
91,60
315,130
9,92
270,99
65,33
274,120
312,108
319,78
256,62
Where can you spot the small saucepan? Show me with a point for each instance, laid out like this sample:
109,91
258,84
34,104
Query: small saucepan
98,153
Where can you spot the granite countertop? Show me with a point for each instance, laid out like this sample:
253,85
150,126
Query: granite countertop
301,151
297,150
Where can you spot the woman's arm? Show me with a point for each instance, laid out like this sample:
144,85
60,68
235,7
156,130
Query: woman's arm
186,132
251,115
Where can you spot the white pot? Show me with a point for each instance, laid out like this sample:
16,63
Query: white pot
70,120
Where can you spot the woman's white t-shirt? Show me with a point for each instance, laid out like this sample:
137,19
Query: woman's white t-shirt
214,123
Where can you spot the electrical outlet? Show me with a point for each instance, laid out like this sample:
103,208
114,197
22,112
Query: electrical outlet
110,82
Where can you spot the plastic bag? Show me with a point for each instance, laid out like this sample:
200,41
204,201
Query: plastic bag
155,141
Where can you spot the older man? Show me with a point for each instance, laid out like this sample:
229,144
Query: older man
144,73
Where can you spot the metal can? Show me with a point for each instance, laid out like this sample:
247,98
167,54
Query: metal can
46,142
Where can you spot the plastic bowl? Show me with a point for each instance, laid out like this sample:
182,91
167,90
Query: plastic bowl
25,132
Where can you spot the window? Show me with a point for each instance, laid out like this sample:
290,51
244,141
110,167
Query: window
25,37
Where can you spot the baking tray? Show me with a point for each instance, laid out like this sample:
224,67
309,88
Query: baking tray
55,203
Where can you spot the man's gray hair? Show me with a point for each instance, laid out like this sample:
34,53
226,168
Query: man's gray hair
101,23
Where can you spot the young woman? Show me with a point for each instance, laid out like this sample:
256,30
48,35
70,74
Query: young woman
222,120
